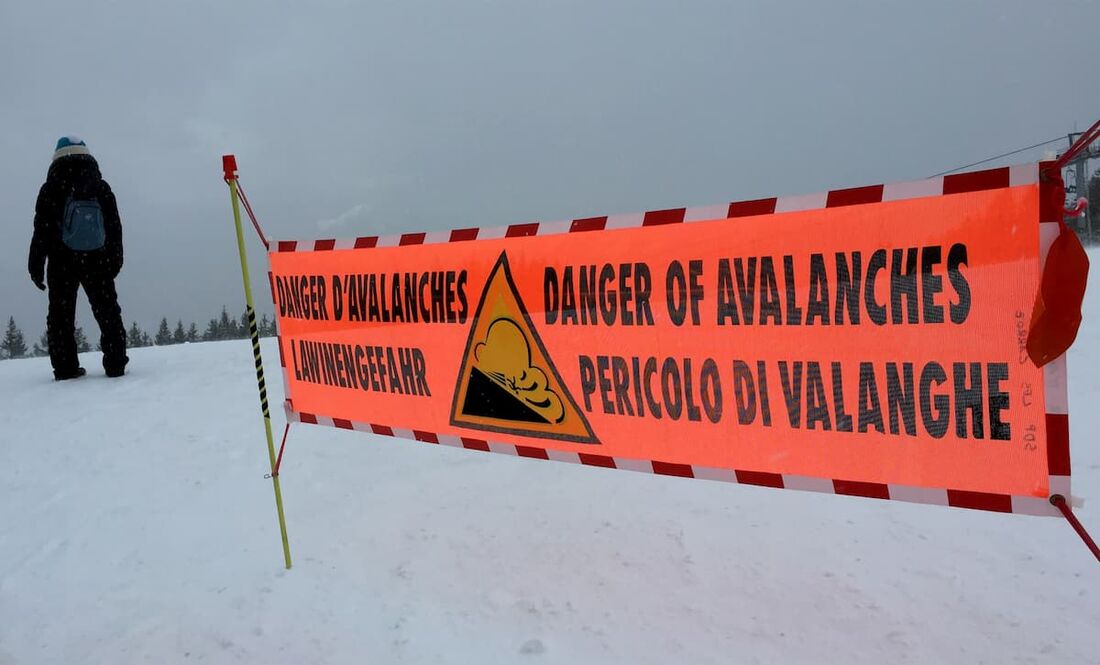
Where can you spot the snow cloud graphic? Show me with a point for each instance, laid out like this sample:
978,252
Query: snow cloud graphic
505,357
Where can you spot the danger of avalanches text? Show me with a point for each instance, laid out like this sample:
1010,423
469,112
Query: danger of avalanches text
896,397
748,290
381,369
409,297
901,398
402,297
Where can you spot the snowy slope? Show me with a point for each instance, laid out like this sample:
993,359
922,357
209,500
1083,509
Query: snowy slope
136,526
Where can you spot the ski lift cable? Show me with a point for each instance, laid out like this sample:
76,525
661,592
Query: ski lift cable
1006,154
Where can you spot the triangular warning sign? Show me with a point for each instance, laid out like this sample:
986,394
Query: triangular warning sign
507,382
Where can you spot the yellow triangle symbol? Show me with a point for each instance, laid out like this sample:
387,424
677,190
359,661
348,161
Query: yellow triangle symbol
507,382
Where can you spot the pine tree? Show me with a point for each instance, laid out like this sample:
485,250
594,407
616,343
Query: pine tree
82,344
244,331
146,340
227,327
164,335
135,337
213,331
193,333
13,346
42,346
267,327
179,336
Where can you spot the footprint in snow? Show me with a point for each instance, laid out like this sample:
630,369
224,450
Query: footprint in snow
532,648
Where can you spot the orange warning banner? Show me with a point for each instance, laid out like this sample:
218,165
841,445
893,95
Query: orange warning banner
881,342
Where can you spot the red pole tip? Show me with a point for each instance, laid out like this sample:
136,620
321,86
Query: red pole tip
1060,502
229,165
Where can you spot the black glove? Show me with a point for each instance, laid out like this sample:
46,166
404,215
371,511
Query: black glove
39,281
113,260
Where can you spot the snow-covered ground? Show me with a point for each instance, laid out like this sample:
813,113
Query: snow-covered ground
136,526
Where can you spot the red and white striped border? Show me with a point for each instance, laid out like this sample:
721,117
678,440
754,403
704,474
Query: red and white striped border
1003,503
1009,176
1054,374
1056,394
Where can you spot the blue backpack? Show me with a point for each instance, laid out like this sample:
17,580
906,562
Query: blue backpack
82,227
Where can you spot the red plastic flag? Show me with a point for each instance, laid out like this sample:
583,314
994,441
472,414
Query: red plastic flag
1057,313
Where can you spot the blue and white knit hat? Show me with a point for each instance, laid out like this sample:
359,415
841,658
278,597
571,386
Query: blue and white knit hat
70,145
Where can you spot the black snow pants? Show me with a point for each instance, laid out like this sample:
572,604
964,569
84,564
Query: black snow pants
63,279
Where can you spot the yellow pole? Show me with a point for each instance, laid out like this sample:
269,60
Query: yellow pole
230,165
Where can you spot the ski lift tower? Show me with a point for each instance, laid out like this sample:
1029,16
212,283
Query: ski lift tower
1079,189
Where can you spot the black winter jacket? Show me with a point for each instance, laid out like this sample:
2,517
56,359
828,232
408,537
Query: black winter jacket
76,175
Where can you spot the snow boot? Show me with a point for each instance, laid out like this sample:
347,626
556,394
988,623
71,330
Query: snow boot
115,368
71,374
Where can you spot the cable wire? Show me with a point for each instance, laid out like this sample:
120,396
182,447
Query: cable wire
1007,154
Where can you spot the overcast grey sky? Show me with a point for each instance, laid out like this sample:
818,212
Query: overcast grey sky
360,117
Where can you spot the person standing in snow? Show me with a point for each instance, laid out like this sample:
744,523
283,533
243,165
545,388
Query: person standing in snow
77,242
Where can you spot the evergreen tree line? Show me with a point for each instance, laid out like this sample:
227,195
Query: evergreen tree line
14,344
